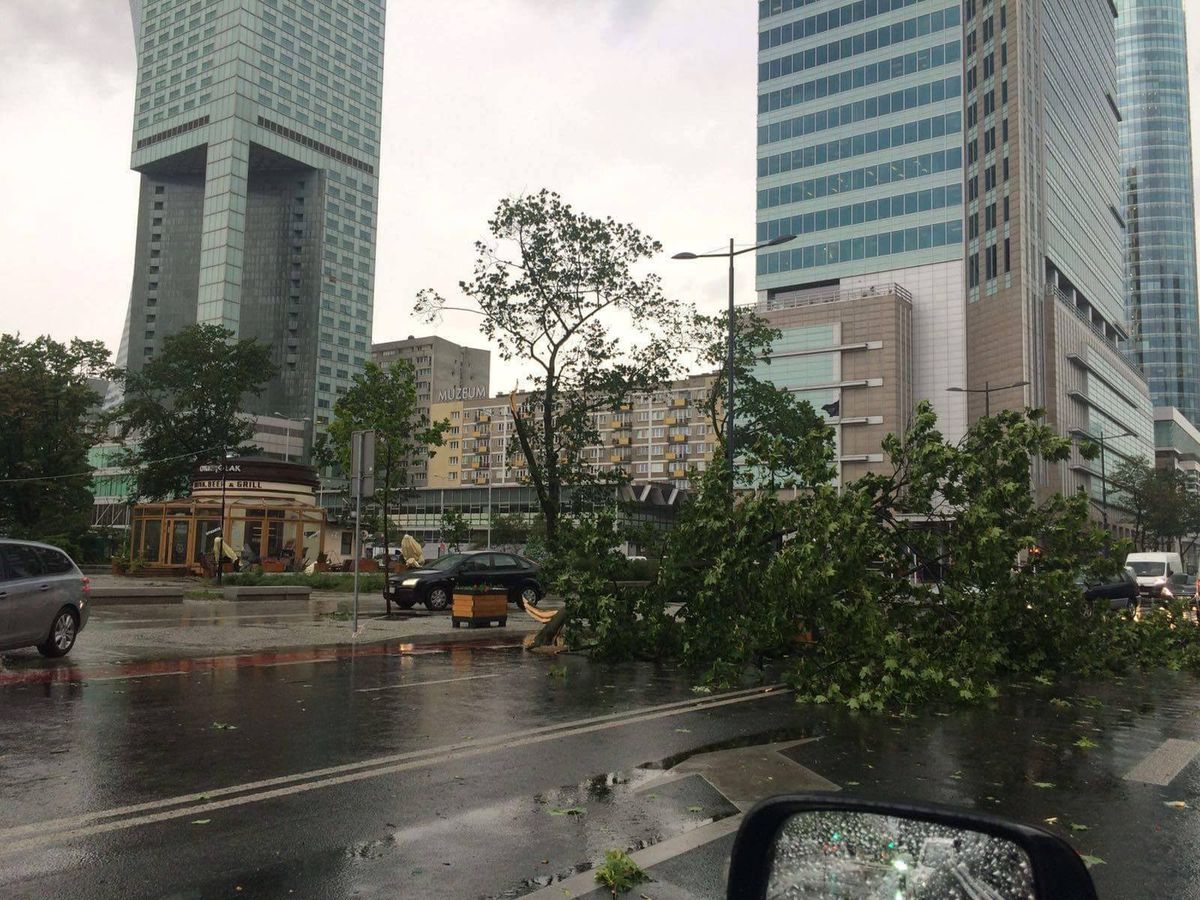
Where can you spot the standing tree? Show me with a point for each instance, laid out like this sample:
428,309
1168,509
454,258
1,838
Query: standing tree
455,530
184,405
1136,488
45,434
558,291
385,400
509,532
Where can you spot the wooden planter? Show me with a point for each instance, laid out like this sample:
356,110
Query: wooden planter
478,606
274,566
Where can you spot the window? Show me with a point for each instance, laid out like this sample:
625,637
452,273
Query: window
1005,209
1007,252
53,562
160,189
21,561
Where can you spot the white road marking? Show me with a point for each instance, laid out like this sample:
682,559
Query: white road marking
1164,763
408,684
25,837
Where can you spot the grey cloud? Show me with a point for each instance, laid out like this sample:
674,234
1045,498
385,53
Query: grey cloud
95,35
623,17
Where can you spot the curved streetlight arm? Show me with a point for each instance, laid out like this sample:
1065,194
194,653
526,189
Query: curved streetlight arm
782,239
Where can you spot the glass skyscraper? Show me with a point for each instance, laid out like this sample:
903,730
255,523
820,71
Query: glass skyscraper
1156,165
860,155
256,134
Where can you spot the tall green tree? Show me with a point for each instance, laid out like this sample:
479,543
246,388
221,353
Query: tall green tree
184,406
47,426
385,400
561,292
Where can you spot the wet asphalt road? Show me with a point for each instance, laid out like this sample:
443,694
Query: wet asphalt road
475,770
428,803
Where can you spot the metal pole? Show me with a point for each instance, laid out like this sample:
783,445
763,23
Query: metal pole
987,399
221,555
1103,486
358,533
287,453
729,452
489,524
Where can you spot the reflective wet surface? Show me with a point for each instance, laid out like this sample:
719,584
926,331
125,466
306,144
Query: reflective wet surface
437,768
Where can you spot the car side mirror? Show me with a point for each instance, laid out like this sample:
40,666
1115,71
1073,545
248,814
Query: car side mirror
828,846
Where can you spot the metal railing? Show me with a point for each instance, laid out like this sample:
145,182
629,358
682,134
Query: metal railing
1085,317
831,294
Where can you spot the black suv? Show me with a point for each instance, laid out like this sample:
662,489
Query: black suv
433,584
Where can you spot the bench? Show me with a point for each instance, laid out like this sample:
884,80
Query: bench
267,592
124,596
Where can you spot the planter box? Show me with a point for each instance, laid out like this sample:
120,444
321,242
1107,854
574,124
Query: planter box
479,608
273,565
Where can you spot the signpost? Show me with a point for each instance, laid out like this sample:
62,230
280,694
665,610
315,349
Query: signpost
362,481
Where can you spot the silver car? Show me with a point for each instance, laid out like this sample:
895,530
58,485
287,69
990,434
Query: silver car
43,598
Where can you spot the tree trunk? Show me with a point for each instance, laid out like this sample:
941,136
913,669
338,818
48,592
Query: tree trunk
550,631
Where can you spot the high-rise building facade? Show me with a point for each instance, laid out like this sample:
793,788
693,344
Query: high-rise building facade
860,155
1045,230
256,135
1156,171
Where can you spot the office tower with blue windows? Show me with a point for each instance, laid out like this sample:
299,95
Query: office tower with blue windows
256,134
860,155
1156,172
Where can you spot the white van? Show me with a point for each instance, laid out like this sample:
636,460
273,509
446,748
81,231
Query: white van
1154,571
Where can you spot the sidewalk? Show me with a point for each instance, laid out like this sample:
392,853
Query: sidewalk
208,628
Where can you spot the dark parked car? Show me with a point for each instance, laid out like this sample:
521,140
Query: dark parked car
43,598
1120,594
434,583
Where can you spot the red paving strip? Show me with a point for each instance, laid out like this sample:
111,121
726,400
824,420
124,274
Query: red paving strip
70,673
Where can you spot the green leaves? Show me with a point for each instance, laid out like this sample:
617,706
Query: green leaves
46,406
182,407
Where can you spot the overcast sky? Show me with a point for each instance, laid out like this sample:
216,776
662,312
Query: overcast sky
639,109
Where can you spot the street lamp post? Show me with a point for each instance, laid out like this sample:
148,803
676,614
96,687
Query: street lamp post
1104,473
224,478
729,350
987,390
287,427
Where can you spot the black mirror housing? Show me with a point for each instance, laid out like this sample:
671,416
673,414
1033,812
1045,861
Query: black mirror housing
1058,872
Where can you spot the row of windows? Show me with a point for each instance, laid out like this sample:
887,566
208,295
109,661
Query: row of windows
989,257
867,211
865,177
172,132
837,17
860,110
886,244
767,8
316,145
875,39
859,144
896,67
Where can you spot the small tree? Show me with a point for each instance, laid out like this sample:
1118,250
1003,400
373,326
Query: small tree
184,405
558,291
46,430
1135,492
455,530
385,400
509,532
